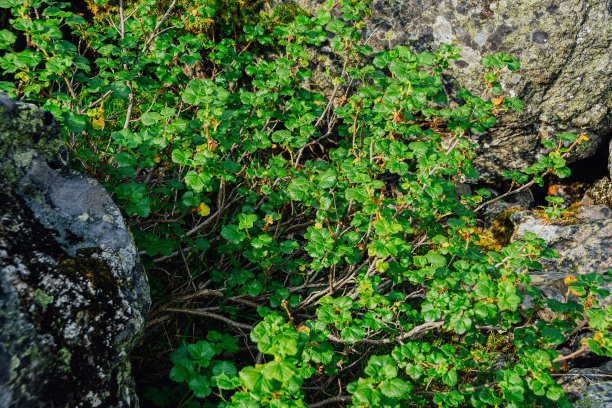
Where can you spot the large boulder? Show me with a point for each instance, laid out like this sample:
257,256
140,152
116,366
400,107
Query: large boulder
566,64
73,295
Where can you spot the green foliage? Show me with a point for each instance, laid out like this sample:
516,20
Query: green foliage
320,216
194,365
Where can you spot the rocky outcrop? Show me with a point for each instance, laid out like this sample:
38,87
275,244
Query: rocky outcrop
582,241
566,64
73,294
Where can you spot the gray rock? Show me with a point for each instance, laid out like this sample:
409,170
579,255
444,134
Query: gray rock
588,387
566,64
73,294
583,243
549,292
523,200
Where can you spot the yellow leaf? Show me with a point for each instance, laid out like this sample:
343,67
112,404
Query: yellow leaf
203,209
98,122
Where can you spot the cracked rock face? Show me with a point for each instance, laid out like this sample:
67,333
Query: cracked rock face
566,64
73,294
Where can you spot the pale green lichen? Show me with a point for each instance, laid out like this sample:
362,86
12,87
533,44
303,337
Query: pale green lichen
15,363
42,298
63,359
588,403
24,158
601,192
18,129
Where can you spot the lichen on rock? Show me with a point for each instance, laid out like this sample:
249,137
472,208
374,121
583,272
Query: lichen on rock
73,294
599,193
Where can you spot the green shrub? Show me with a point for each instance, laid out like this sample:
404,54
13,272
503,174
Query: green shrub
322,218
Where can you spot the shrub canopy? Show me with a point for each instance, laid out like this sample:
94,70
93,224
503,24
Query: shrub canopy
313,211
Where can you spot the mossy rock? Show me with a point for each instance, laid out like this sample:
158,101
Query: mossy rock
74,297
600,193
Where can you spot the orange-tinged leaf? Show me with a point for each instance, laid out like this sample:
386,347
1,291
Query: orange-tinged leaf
98,122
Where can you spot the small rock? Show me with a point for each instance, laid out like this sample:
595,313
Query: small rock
549,292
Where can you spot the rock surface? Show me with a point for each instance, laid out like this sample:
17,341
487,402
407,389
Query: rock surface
589,387
582,242
73,294
566,64
599,193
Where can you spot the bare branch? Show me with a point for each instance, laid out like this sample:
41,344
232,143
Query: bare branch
199,312
333,400
159,23
576,353
414,333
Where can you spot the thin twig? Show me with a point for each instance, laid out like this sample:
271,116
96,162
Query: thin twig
509,193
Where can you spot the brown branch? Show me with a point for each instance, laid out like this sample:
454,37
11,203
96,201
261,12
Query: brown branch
468,389
200,313
94,103
509,193
414,333
576,353
199,294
